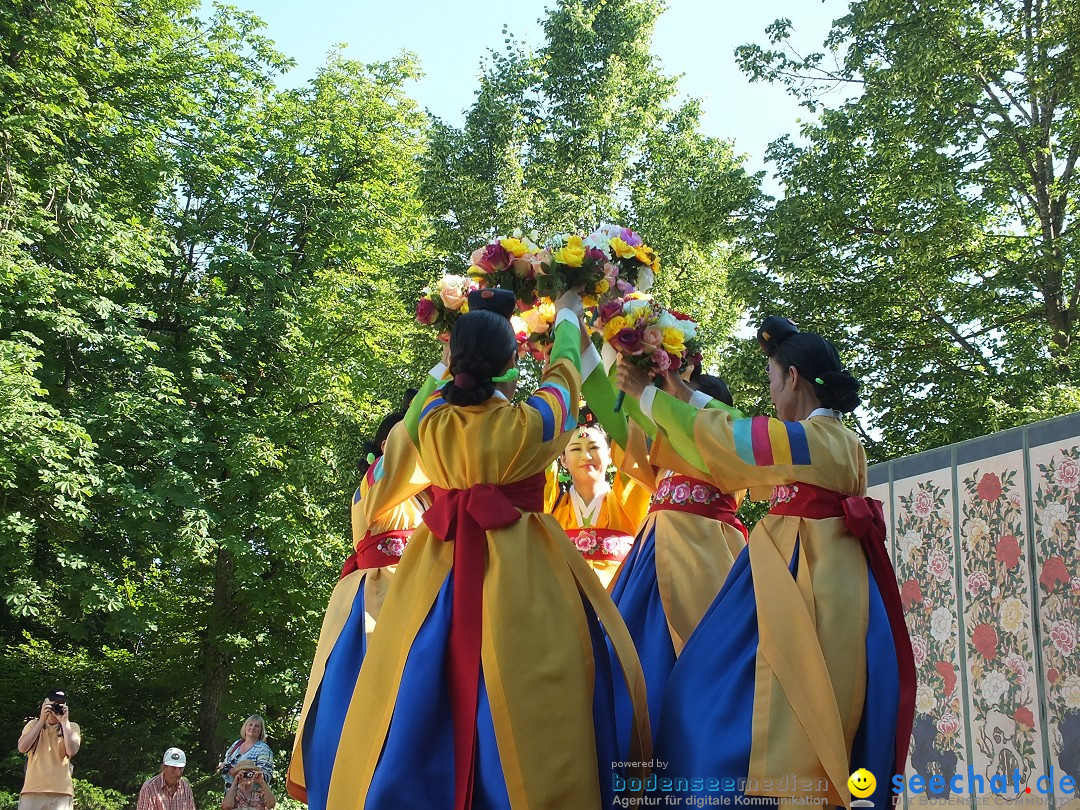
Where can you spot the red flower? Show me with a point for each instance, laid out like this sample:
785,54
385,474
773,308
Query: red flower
426,311
911,594
629,340
1053,572
989,488
1052,675
608,310
985,639
948,674
1023,717
491,258
1008,551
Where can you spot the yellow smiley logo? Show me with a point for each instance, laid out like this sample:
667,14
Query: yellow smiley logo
861,783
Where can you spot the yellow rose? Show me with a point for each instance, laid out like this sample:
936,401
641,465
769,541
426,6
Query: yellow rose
572,254
547,310
588,300
464,306
514,246
647,256
673,341
614,326
602,286
622,250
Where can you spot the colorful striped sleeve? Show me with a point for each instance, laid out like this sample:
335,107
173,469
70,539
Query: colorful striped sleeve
765,442
557,398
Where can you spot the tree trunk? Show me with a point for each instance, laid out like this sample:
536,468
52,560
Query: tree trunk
216,657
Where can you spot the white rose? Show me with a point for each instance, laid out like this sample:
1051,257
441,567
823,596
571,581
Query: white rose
925,700
666,320
688,328
1053,514
645,278
1069,688
994,685
941,622
1011,614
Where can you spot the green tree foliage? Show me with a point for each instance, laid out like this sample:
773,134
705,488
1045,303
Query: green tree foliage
585,130
928,222
201,316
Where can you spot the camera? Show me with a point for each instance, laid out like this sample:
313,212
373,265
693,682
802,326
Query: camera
58,708
248,774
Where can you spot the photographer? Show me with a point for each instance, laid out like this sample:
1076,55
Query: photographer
251,745
49,743
249,789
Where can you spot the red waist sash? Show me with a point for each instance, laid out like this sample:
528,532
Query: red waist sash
377,551
681,493
863,517
464,517
601,544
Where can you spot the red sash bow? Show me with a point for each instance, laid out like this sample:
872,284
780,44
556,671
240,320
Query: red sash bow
864,518
464,517
369,555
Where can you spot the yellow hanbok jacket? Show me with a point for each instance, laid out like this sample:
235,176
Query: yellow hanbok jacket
810,681
539,667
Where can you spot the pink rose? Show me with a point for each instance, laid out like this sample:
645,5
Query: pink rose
1063,634
525,267
584,542
1067,473
920,649
938,565
491,258
611,273
661,361
653,338
426,311
948,724
977,583
924,504
452,296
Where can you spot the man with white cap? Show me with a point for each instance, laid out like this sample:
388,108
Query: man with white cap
169,790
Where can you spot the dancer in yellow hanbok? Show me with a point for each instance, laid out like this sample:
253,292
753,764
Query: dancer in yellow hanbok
356,602
488,682
685,546
801,671
599,518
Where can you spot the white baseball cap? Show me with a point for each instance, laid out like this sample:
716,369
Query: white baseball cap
174,757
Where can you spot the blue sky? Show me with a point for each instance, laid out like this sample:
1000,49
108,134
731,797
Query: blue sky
695,38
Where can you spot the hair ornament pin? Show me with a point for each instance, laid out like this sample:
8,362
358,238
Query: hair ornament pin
371,458
819,381
509,375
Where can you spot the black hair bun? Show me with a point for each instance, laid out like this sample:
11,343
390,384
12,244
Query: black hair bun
408,397
470,382
773,331
497,300
838,390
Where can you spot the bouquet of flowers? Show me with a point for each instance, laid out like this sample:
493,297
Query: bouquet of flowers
511,262
538,322
651,337
635,263
572,264
441,305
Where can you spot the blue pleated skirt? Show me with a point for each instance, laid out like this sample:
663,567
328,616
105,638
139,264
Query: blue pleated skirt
416,767
707,709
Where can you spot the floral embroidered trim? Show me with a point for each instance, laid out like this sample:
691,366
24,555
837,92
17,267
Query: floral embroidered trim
392,546
784,493
589,542
680,491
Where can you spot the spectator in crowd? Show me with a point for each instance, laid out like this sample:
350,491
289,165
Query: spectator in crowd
169,790
49,743
252,745
249,789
